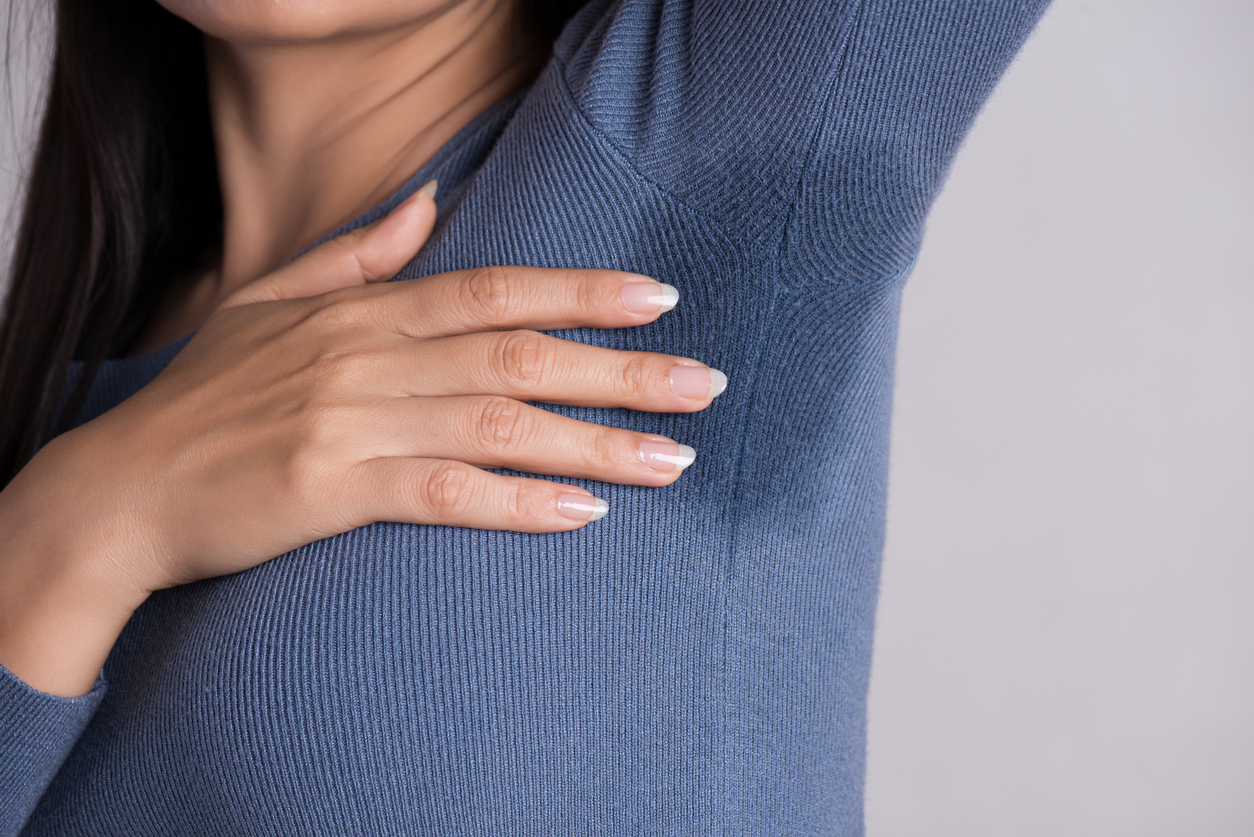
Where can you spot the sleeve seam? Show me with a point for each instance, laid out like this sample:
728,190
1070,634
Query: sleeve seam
627,161
832,87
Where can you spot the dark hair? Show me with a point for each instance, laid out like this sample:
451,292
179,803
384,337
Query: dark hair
122,199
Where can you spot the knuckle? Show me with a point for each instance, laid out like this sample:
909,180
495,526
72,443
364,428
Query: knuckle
488,293
317,428
334,310
524,357
523,501
446,490
344,252
588,294
339,367
304,472
601,452
502,424
633,376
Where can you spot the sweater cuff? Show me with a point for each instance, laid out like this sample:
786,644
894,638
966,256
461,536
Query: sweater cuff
37,732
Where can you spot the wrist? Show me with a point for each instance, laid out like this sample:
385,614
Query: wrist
66,588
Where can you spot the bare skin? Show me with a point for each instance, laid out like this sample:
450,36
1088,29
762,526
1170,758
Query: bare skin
316,398
316,123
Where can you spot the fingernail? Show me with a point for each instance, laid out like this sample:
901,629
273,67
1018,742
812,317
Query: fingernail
697,381
649,297
428,190
666,456
581,506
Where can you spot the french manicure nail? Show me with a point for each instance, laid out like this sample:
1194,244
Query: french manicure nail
581,506
430,188
666,456
718,383
649,297
697,381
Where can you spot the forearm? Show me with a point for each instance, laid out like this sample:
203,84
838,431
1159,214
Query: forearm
64,594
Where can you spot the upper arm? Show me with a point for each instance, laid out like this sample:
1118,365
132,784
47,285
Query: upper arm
915,77
826,125
716,102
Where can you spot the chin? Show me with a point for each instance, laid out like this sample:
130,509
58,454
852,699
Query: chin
281,21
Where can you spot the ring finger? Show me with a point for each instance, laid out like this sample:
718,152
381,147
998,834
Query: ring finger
500,432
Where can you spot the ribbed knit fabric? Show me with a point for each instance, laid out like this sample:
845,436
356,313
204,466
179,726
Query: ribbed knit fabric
695,663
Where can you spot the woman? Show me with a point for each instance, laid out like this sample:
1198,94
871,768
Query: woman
695,662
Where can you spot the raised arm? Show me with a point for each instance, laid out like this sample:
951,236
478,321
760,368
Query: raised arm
828,124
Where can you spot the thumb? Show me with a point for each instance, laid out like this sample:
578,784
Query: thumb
374,252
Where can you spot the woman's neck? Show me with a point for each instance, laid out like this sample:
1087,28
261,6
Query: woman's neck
310,135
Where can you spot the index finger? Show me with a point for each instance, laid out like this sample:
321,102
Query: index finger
355,258
499,298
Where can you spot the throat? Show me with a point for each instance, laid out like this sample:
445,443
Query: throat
310,134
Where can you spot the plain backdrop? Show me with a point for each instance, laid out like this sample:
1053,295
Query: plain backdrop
1065,642
1066,631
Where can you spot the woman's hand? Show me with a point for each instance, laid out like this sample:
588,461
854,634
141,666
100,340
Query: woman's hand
314,401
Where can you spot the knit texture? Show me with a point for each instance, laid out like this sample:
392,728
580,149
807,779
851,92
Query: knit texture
695,663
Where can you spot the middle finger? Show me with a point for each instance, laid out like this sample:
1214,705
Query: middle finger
530,366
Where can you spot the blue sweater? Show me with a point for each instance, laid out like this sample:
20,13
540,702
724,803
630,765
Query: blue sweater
695,663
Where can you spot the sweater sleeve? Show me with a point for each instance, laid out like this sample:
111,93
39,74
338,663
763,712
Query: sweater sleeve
37,732
913,79
824,124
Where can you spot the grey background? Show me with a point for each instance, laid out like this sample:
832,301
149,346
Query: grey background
1066,632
